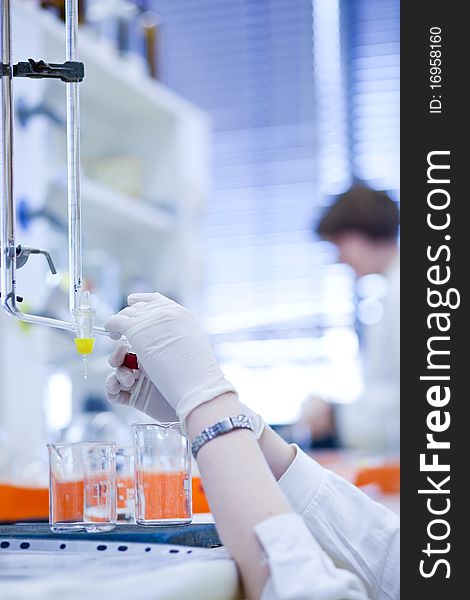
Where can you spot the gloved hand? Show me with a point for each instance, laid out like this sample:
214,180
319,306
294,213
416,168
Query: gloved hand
134,388
173,351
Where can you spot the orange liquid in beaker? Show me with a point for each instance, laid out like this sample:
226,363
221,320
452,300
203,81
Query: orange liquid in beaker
68,500
165,494
72,501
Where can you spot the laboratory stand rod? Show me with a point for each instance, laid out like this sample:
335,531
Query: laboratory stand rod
7,240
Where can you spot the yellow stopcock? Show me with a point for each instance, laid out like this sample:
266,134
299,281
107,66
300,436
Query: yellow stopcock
84,341
84,345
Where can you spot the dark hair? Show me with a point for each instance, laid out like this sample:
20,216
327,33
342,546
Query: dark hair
362,210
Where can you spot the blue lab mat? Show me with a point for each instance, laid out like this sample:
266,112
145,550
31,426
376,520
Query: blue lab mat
202,535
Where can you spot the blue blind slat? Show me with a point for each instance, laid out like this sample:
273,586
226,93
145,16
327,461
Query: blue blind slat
300,101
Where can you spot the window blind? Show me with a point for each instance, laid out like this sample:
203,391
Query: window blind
303,97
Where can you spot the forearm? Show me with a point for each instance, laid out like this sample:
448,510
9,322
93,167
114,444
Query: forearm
326,502
244,494
240,487
277,452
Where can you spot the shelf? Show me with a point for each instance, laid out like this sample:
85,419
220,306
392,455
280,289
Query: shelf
123,209
108,215
109,79
160,138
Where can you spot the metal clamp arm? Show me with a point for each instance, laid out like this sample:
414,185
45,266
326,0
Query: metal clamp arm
24,251
70,71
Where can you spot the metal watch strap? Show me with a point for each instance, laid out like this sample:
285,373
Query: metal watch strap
220,428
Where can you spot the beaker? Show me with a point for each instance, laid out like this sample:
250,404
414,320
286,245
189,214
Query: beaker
125,484
162,475
82,486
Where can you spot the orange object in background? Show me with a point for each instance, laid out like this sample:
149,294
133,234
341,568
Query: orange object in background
165,496
386,477
19,503
200,504
68,495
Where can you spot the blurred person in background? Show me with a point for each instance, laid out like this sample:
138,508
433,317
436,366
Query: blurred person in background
363,224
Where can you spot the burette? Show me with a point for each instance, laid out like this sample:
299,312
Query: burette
78,304
14,256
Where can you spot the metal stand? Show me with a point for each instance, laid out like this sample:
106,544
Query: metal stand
13,256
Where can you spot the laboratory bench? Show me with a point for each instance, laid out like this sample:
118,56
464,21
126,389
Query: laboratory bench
130,561
150,563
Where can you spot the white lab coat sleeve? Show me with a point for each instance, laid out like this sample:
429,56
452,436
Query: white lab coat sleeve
298,568
359,534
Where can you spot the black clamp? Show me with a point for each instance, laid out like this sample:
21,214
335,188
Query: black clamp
18,298
69,71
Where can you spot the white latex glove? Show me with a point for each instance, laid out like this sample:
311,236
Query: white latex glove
134,388
172,349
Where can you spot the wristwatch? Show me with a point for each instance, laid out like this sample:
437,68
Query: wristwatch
220,428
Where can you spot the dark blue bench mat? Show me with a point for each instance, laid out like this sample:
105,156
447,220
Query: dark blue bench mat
202,535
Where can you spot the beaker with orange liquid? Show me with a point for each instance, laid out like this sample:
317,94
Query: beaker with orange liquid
162,475
82,486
